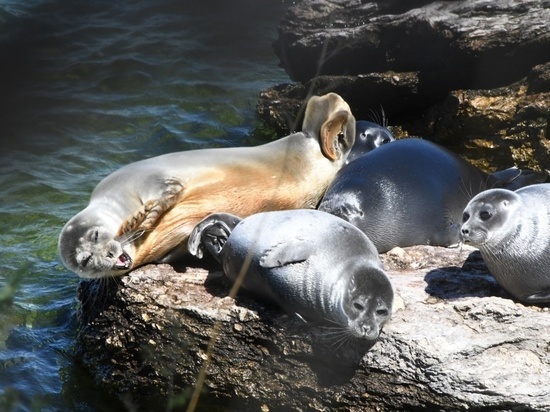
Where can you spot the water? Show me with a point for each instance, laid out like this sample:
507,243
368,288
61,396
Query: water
86,87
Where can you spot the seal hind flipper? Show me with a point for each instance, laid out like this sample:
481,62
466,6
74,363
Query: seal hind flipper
212,234
147,215
291,251
514,178
541,297
329,118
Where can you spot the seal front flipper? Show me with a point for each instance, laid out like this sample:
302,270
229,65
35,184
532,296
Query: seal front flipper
147,215
291,251
212,234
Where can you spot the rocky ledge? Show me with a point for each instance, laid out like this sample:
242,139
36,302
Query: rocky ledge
456,342
473,75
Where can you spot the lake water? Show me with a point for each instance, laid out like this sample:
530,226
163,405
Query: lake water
86,87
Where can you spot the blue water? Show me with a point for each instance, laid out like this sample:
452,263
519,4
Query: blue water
86,87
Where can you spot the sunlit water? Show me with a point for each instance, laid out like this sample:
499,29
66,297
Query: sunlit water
86,87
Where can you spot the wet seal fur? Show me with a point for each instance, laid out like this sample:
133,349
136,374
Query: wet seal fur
308,262
512,231
413,192
368,136
145,211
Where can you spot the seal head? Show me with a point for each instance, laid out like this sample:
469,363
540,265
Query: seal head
368,136
512,231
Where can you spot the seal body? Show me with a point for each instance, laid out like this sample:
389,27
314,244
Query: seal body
308,262
145,211
512,231
368,136
412,192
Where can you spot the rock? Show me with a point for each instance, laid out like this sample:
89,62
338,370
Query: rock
452,44
472,75
456,342
494,129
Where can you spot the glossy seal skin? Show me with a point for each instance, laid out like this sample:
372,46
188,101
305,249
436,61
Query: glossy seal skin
368,136
512,231
145,211
308,262
412,192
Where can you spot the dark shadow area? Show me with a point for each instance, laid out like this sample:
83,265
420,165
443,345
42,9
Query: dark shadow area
471,280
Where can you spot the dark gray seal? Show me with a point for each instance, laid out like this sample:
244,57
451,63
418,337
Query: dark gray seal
412,192
308,262
512,231
368,136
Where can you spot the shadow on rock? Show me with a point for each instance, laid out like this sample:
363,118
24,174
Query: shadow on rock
471,280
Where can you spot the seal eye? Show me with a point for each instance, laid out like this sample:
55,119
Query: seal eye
357,306
382,312
485,215
465,217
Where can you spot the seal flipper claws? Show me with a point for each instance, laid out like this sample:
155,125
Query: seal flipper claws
148,214
212,234
292,251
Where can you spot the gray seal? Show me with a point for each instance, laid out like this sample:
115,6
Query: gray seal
512,231
368,136
308,262
412,192
145,211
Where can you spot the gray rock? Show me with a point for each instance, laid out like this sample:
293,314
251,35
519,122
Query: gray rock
451,44
456,342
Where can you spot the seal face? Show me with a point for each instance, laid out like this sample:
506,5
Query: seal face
308,262
412,192
368,136
145,211
512,231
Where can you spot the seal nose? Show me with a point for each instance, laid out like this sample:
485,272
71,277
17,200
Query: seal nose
368,331
465,231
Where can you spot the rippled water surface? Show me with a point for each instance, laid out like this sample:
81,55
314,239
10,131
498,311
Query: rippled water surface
86,87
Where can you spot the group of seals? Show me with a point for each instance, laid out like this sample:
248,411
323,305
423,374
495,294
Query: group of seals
145,211
308,262
412,192
321,266
512,231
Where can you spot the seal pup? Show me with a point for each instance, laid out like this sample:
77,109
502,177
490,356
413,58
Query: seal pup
145,211
412,192
512,231
368,136
308,262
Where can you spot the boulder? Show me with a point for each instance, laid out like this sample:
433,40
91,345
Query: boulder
492,128
456,341
452,44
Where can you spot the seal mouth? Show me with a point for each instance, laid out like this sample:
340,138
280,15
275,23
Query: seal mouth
123,262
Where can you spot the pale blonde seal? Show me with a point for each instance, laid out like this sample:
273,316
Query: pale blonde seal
145,211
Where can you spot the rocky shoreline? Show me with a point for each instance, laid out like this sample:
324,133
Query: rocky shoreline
472,75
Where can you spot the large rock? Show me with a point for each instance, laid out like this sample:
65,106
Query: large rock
452,44
456,342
